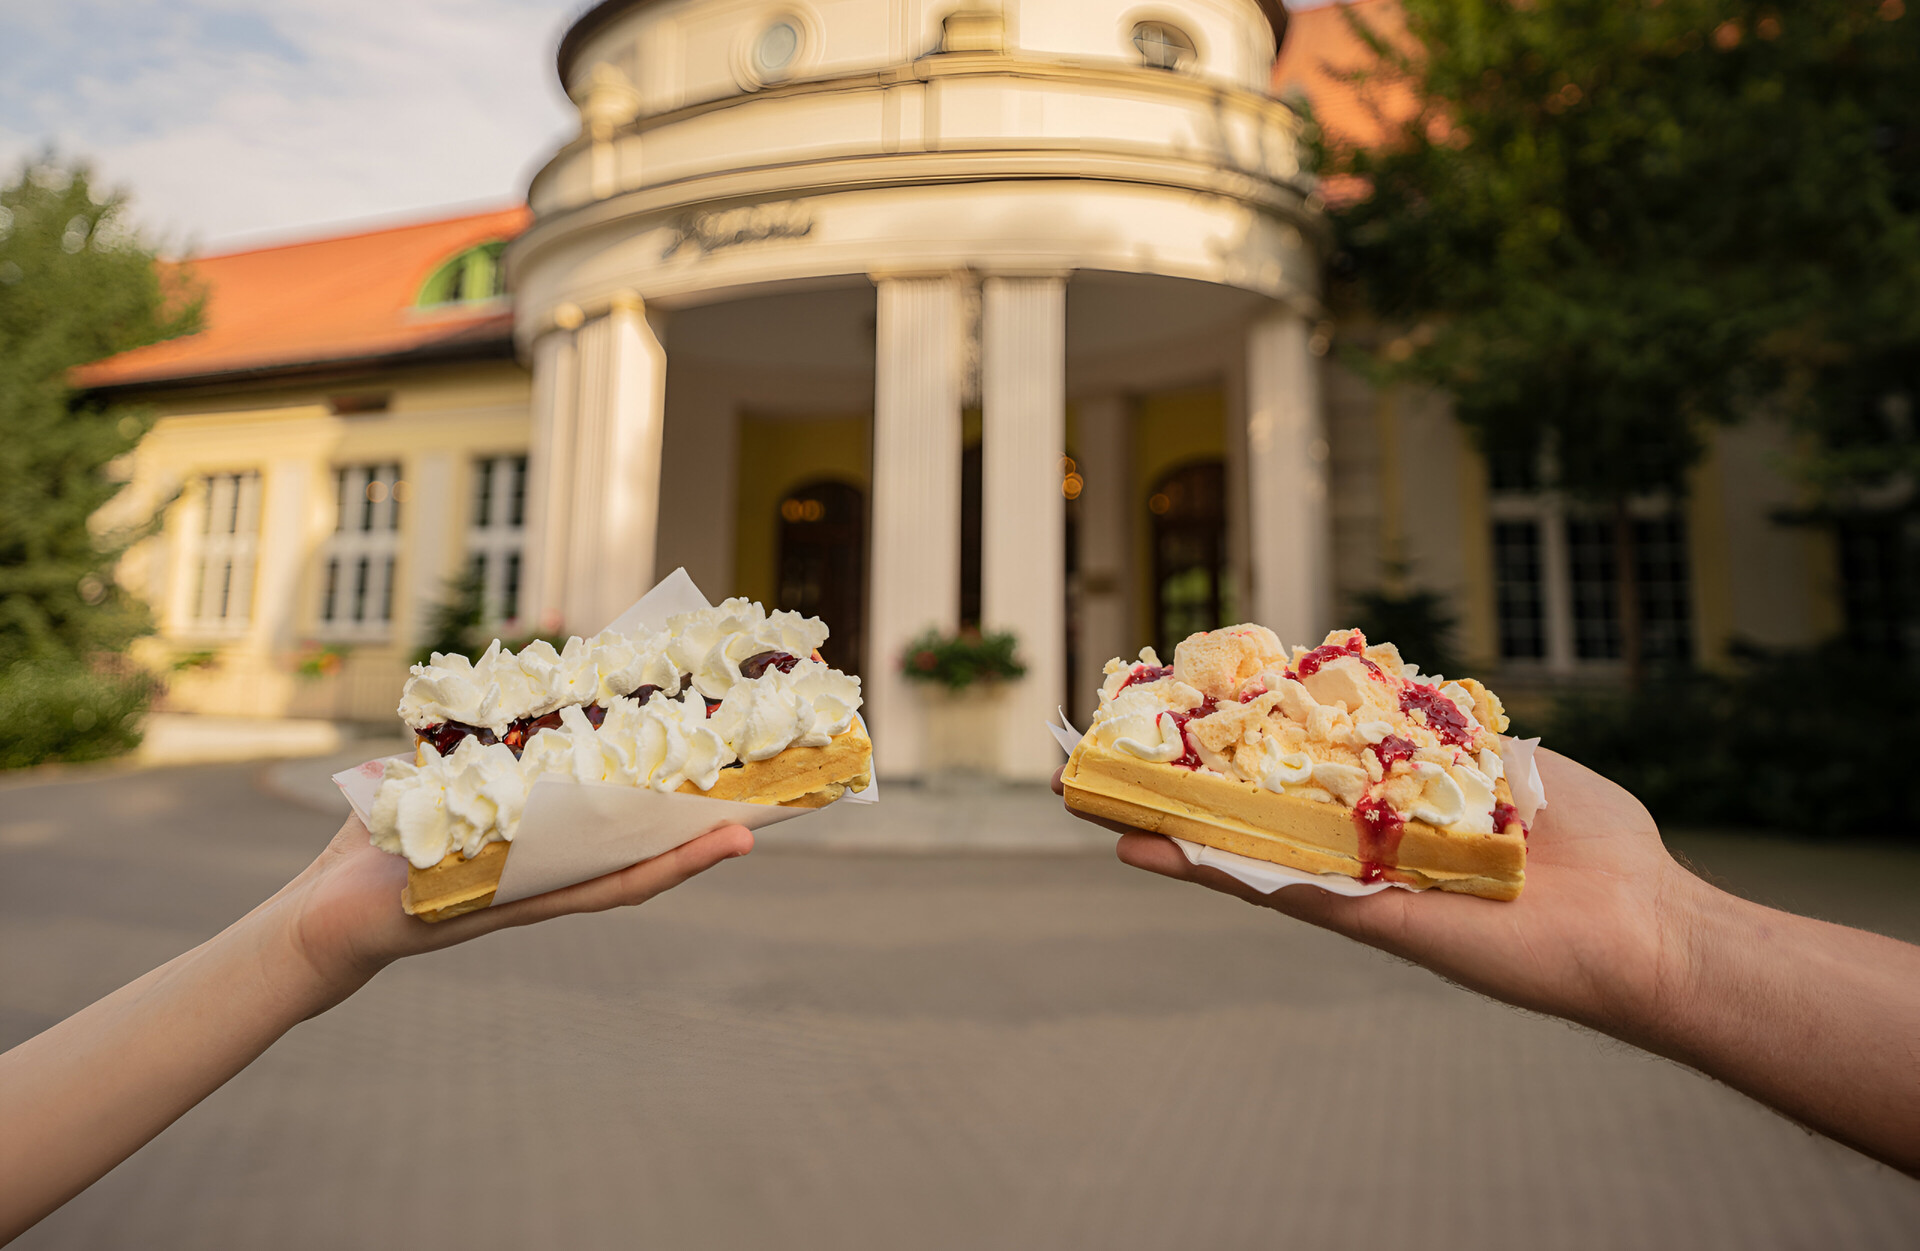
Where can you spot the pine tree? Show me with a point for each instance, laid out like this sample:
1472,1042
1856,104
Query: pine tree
77,283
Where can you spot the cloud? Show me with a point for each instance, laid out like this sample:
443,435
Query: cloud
231,121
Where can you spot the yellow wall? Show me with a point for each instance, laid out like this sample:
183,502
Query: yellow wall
778,454
439,420
1170,429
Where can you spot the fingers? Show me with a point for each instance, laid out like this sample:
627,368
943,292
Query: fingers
1059,787
632,885
1360,917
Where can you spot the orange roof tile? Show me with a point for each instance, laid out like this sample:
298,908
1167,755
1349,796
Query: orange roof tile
345,298
1321,48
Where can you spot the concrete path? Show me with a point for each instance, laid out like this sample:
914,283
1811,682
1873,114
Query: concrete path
858,1050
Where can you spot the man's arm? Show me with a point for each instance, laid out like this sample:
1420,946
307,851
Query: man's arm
1819,1021
86,1094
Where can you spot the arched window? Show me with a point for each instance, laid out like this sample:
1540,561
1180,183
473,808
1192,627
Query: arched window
1190,591
823,563
1163,46
474,274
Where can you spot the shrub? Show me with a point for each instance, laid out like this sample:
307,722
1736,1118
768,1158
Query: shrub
58,710
1808,742
957,661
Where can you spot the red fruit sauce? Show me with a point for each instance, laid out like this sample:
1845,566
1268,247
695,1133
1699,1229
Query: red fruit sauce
1311,663
1145,673
1191,760
1504,815
1380,830
1443,715
1392,748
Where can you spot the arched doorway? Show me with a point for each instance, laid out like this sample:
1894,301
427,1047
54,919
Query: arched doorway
822,569
1190,592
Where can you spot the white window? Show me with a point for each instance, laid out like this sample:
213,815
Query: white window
229,549
1556,594
357,565
1163,46
495,534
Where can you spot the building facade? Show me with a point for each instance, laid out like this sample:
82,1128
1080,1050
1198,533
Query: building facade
912,316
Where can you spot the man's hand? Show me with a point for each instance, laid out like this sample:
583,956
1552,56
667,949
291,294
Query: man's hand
1816,1020
342,914
1591,937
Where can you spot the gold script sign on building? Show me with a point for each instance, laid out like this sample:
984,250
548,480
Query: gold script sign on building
725,228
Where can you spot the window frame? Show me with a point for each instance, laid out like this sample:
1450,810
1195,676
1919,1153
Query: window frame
359,566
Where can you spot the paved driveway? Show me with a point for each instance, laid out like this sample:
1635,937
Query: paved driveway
815,1048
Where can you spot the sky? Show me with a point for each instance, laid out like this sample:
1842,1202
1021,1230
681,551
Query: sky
235,123
240,122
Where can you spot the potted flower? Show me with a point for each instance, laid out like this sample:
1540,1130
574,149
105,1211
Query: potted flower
961,676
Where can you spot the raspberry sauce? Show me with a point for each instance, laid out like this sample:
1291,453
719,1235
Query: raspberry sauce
1505,815
1191,760
1380,830
1443,715
1392,748
447,735
1312,662
1145,673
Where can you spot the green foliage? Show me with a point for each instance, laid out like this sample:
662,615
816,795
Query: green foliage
957,661
456,625
77,283
1800,742
1611,224
59,710
1417,622
453,624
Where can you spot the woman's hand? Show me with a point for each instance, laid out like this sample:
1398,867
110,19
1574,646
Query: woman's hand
83,1096
342,914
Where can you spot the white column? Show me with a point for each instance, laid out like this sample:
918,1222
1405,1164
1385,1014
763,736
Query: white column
433,529
914,582
1023,360
616,466
1289,538
549,481
281,555
1104,450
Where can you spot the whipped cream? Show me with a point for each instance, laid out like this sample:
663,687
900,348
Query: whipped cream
476,793
707,647
1343,723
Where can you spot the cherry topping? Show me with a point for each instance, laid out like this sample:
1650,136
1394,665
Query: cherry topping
642,694
1443,715
1380,830
1393,748
447,735
755,665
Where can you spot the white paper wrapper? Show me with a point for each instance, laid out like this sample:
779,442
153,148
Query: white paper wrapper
574,831
1516,758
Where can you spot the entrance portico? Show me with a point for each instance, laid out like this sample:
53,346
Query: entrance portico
1001,245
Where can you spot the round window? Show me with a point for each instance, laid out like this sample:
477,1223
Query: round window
1162,46
774,52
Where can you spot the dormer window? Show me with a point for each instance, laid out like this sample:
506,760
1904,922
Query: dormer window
1163,46
474,274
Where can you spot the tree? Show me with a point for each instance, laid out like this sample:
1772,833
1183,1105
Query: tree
77,283
1606,226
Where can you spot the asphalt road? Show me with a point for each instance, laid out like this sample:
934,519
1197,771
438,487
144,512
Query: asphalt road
811,1048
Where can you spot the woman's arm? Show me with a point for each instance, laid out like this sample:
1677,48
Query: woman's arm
1819,1021
83,1096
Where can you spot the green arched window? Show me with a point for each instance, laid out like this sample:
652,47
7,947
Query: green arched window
474,274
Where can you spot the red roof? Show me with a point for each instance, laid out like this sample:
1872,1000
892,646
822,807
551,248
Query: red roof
345,298
1322,49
